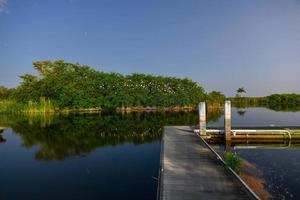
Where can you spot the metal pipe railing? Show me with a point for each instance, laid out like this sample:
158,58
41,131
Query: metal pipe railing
249,132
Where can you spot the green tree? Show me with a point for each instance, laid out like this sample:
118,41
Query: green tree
240,92
215,97
75,86
4,93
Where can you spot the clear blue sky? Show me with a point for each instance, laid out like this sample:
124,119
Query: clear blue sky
220,44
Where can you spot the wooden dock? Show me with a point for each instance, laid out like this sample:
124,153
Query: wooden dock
190,170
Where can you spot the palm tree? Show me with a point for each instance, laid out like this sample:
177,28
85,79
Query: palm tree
240,92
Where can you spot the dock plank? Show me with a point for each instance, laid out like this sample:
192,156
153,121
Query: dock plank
191,171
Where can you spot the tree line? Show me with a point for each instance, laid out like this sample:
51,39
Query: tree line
62,85
281,102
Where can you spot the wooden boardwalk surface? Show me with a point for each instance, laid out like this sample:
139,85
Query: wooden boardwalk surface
190,170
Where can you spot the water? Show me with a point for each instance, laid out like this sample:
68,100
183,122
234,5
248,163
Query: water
280,169
107,156
112,172
260,117
271,169
115,156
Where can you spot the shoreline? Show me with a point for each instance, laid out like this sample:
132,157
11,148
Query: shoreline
137,109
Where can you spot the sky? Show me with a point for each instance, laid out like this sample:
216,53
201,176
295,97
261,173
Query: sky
221,44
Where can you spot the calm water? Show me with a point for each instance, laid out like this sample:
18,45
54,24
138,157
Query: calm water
83,156
260,117
115,156
276,167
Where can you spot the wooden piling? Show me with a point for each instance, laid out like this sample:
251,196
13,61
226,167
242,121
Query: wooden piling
227,120
202,118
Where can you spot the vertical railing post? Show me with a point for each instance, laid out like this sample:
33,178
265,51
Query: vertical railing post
227,119
202,118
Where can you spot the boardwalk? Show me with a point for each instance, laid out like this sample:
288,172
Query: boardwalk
191,171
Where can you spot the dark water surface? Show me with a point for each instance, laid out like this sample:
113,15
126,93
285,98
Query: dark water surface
260,117
276,165
91,156
115,156
280,169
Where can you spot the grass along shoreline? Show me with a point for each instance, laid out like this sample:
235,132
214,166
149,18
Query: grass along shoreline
48,107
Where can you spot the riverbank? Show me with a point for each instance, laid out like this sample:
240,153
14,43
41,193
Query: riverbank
48,107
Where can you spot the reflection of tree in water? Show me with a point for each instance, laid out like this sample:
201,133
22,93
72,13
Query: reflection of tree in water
61,136
1,137
241,111
213,115
285,108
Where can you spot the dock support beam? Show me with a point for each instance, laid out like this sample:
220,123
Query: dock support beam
227,119
202,118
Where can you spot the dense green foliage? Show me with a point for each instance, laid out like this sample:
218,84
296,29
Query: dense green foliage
4,93
215,97
13,106
72,86
76,86
67,86
10,106
284,99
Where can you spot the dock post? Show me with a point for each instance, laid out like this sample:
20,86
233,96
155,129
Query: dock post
227,119
202,118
